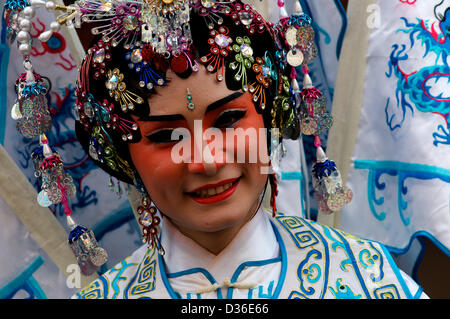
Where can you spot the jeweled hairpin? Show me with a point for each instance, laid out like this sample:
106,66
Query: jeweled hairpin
183,62
220,48
243,60
101,52
245,15
118,89
209,9
140,61
265,74
167,6
166,26
122,21
93,112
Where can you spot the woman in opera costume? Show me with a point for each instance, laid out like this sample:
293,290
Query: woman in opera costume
189,101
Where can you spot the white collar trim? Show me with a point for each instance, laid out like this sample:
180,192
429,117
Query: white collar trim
255,241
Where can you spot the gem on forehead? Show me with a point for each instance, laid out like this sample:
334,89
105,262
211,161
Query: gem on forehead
208,3
221,40
246,50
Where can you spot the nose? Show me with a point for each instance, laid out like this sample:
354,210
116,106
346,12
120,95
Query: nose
205,160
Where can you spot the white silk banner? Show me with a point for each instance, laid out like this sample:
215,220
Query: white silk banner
392,134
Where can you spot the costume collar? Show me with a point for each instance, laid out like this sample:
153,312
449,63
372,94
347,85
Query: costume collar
255,241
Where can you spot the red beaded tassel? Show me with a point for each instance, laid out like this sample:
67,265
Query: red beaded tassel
274,193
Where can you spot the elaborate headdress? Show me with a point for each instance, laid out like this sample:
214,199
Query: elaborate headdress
135,43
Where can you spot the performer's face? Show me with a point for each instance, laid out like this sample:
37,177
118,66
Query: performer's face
203,184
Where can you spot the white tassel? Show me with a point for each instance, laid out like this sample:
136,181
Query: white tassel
307,82
320,155
295,86
70,222
283,13
297,7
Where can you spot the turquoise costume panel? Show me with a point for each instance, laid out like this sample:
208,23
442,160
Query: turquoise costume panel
317,262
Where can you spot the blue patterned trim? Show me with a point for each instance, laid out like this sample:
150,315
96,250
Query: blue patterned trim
418,293
403,171
162,269
354,263
283,258
25,281
193,271
165,277
284,263
247,264
327,258
396,272
105,285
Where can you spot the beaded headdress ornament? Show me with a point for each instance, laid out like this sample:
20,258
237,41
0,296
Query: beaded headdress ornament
152,37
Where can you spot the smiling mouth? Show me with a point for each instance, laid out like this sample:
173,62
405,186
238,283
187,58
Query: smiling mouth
210,194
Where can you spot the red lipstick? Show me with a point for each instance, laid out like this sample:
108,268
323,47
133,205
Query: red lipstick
218,197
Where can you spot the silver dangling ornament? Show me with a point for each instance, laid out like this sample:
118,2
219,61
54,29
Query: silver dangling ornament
57,186
31,108
331,194
90,256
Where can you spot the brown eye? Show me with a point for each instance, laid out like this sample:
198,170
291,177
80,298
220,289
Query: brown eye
164,136
229,118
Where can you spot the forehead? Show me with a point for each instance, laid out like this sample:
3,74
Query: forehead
172,98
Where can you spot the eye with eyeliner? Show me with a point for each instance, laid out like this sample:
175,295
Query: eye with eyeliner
164,136
229,118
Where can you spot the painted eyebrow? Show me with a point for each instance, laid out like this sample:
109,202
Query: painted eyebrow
177,117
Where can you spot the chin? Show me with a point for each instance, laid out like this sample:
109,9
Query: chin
221,218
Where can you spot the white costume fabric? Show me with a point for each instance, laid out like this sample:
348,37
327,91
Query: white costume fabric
282,258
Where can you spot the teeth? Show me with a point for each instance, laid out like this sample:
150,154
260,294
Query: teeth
220,189
213,191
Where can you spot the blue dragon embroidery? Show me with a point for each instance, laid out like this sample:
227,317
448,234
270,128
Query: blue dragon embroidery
416,89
